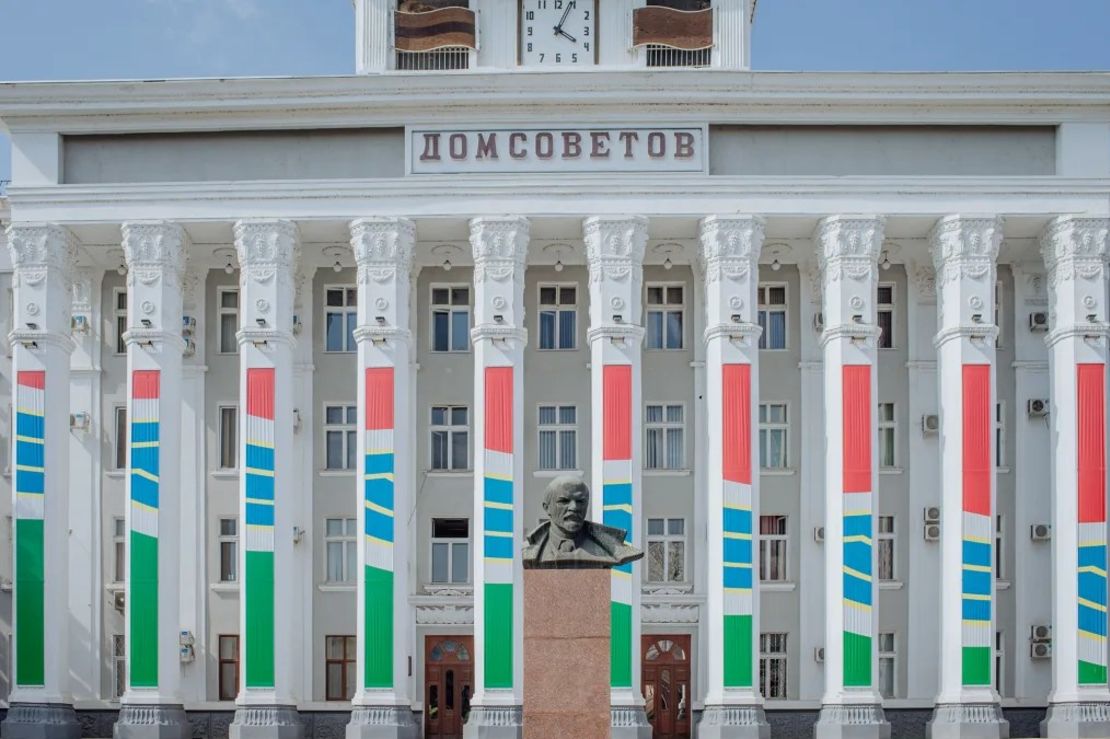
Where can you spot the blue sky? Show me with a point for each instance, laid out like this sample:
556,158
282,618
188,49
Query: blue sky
152,39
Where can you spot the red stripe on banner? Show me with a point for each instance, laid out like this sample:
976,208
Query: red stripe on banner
499,409
856,392
1091,402
736,417
29,378
260,392
977,428
379,398
616,394
145,384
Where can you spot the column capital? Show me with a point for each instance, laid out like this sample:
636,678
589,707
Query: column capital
499,245
965,247
266,246
1075,247
923,279
269,259
848,246
35,247
614,245
154,249
730,246
43,257
383,248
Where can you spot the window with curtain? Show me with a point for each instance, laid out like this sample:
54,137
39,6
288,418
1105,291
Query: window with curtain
558,437
450,318
339,668
227,307
450,550
229,667
887,436
772,316
229,437
450,442
119,306
884,544
772,665
340,318
229,549
773,436
887,657
665,445
339,545
665,310
885,311
340,437
666,550
558,316
772,549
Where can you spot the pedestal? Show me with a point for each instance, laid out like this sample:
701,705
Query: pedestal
566,653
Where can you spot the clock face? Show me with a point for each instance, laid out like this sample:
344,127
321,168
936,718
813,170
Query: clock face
559,33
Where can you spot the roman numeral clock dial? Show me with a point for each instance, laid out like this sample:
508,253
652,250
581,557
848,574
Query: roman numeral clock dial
559,33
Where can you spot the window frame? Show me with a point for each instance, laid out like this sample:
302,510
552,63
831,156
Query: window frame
119,666
892,426
558,309
350,345
221,661
998,565
769,426
999,428
350,651
450,309
892,656
221,311
999,661
224,449
558,428
119,320
666,538
450,430
120,436
233,541
450,541
664,426
886,536
119,550
765,657
665,308
764,307
346,429
348,541
766,541
998,294
892,308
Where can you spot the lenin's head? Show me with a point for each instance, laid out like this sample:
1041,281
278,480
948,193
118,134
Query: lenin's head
566,501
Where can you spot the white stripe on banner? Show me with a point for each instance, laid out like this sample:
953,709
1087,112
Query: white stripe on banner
1092,534
977,634
737,495
857,619
621,587
144,410
260,430
857,504
379,554
260,539
1091,649
30,505
379,441
978,527
144,520
30,400
499,464
616,470
738,603
499,570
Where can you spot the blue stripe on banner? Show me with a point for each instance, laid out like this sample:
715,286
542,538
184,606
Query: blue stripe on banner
29,482
498,519
857,556
626,568
618,519
380,493
498,547
1092,620
259,514
976,582
737,550
377,464
260,487
1092,587
144,491
28,425
498,491
977,553
737,521
142,432
29,453
260,457
977,610
379,525
146,459
1094,556
857,526
738,577
857,590
617,493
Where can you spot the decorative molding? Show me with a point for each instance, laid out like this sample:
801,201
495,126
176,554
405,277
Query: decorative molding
730,246
614,246
924,280
153,251
965,247
383,248
848,247
36,248
266,248
500,247
82,288
445,615
1075,248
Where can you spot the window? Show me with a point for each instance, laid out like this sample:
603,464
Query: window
558,316
772,549
772,665
999,434
772,316
229,550
119,666
887,675
885,306
119,305
121,437
887,457
885,543
998,312
664,316
666,445
666,550
998,573
339,668
340,318
773,429
228,309
450,318
342,556
229,437
450,550
119,549
558,429
450,437
999,660
229,667
340,437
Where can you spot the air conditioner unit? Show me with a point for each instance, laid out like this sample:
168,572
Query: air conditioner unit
932,532
1040,633
1038,321
1040,651
1040,532
930,424
931,514
819,534
190,348
819,654
1037,407
819,321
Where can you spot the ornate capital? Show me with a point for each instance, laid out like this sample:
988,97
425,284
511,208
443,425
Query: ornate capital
83,291
614,245
383,248
848,246
267,246
924,280
500,247
153,250
730,246
965,247
1075,247
36,247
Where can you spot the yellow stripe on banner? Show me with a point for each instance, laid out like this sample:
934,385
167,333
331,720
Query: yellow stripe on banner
976,622
627,508
1092,542
1091,637
1092,604
376,452
739,565
143,507
862,607
378,542
30,412
29,496
29,468
621,575
977,539
857,539
499,506
259,501
258,442
379,476
144,444
259,527
616,482
734,535
736,507
378,509
144,474
1093,570
857,574
857,512
739,591
496,560
502,478
978,568
30,439
505,534
144,420
256,471
976,596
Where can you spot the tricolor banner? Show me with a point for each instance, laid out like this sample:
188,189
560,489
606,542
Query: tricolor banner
1091,570
30,507
142,582
258,470
978,574
857,519
616,500
736,517
498,543
378,529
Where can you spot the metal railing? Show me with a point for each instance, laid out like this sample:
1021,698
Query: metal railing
665,56
451,57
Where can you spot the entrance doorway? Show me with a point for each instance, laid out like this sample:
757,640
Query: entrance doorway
666,681
448,681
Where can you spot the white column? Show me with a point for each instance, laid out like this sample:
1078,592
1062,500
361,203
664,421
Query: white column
849,250
615,252
733,33
152,704
730,249
614,29
42,259
383,249
964,251
373,35
269,495
500,247
498,31
1075,251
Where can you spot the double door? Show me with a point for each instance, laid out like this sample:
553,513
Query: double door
448,685
666,684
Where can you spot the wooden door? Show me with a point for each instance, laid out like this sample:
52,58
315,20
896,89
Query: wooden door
448,685
666,684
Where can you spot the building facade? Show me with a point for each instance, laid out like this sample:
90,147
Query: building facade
291,361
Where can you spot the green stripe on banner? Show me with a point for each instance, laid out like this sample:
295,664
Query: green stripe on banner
499,635
30,586
857,660
378,604
620,648
1091,674
977,665
738,651
260,619
142,667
